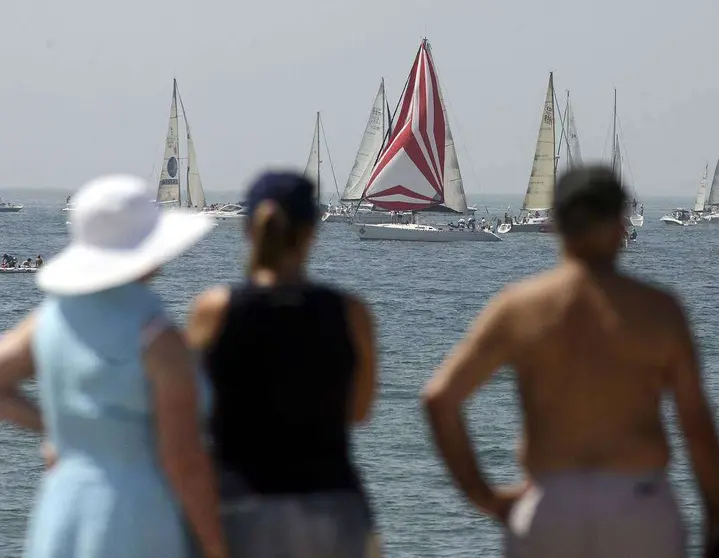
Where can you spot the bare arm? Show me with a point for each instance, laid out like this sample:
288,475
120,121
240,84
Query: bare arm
471,364
182,455
206,317
695,417
366,368
16,366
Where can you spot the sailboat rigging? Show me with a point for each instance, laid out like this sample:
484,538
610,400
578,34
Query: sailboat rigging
314,162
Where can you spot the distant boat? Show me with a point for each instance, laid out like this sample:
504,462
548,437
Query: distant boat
7,207
169,192
314,164
538,199
418,169
712,202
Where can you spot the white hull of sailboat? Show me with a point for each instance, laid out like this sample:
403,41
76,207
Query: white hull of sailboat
637,220
711,218
421,233
532,226
10,208
337,218
379,217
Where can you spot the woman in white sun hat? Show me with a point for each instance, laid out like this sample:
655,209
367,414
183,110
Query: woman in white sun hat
118,391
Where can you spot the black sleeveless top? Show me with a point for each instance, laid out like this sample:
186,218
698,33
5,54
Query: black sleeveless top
282,372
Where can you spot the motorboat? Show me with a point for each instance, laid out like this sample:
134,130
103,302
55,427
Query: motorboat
227,212
7,207
680,217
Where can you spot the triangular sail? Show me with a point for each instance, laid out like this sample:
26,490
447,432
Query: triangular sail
195,192
702,191
574,152
169,187
409,174
368,150
713,199
540,191
454,197
312,170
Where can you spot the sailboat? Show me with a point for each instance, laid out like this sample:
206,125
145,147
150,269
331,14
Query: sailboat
169,192
535,213
418,168
635,207
314,163
685,217
377,129
712,202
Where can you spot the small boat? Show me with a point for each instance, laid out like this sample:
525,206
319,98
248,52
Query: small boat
418,169
18,269
169,191
679,217
7,207
229,211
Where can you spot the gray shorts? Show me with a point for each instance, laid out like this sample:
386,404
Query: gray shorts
596,514
333,524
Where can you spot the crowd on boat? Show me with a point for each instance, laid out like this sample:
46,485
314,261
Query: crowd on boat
11,262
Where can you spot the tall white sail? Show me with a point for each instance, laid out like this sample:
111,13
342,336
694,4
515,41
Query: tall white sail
713,198
574,151
312,170
195,192
454,197
540,191
169,187
702,191
368,150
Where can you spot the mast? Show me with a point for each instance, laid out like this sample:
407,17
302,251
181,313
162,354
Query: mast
179,185
614,134
318,160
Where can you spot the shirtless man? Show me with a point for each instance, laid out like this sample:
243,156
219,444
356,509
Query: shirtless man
594,351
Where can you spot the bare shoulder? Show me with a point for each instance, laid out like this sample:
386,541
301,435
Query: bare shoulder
358,311
662,301
206,316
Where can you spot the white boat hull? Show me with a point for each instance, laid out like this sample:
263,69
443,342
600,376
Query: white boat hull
11,270
529,227
669,220
637,220
10,208
421,233
337,218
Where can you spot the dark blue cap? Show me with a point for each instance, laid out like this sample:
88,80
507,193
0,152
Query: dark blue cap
290,190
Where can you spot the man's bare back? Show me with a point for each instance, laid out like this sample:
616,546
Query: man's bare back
591,353
594,351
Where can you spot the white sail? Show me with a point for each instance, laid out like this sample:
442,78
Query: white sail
312,170
368,150
713,198
195,192
574,151
540,191
702,191
169,187
454,197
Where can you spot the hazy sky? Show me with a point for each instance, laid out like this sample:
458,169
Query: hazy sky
87,83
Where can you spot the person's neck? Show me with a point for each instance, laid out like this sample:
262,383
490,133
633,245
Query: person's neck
594,266
267,277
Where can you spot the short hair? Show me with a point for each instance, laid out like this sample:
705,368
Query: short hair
585,197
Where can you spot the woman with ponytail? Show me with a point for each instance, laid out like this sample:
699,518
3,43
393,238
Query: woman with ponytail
292,365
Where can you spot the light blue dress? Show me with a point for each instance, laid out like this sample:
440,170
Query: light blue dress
107,496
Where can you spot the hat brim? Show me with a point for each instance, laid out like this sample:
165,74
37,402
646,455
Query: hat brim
81,269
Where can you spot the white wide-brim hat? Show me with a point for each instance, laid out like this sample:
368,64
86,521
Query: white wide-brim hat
118,237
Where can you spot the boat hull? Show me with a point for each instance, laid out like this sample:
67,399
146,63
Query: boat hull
421,233
10,208
668,220
12,270
637,220
336,218
535,227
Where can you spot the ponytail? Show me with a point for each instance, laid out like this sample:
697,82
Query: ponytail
270,234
